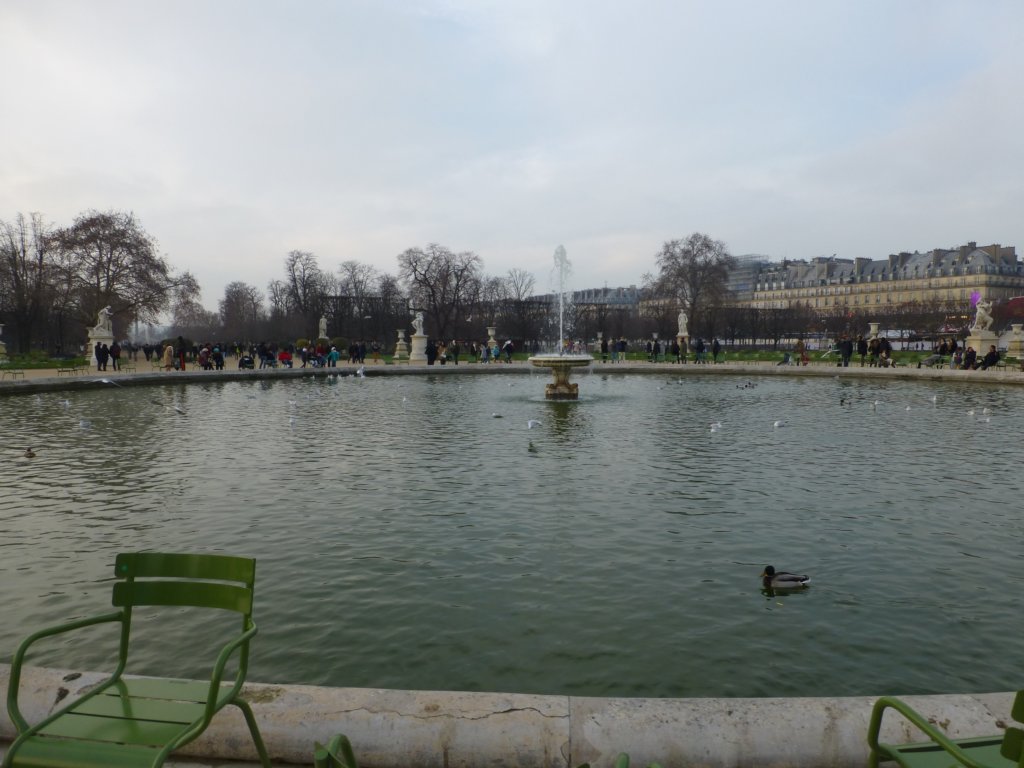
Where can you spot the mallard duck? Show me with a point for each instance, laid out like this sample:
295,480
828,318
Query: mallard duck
782,580
29,453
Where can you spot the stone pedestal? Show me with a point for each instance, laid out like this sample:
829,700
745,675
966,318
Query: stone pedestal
1015,346
872,331
419,348
491,341
98,336
981,340
401,348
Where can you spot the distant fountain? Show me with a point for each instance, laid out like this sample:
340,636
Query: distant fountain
560,363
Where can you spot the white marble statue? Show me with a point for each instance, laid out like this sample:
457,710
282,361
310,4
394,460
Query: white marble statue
682,324
983,316
417,324
103,321
323,327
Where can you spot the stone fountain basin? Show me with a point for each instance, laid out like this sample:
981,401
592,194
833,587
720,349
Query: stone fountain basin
561,361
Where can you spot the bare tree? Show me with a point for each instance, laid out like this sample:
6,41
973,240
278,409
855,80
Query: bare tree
26,276
441,283
115,263
694,271
241,311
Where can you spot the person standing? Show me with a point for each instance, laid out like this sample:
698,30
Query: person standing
845,351
453,351
716,349
115,356
181,353
168,361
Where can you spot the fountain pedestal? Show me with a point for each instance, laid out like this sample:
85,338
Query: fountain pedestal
418,353
981,339
1015,347
98,336
561,366
401,348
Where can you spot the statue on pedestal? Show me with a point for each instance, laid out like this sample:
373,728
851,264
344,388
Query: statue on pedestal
682,324
103,321
983,316
323,328
417,324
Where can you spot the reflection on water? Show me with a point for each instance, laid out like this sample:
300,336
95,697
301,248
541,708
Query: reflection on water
408,538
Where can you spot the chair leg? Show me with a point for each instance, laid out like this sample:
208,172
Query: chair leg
250,720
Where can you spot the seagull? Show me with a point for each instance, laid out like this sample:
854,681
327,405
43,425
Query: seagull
405,399
970,412
66,403
986,411
715,426
908,407
84,424
110,381
935,399
361,371
985,420
778,424
533,423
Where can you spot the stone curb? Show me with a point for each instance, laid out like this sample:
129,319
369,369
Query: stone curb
41,383
452,729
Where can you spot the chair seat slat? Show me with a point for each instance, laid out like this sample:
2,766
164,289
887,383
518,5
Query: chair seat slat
156,710
44,752
74,726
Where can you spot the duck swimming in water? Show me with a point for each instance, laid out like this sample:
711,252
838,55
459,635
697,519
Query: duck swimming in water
29,453
782,580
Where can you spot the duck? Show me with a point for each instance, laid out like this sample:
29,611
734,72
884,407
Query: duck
29,453
782,580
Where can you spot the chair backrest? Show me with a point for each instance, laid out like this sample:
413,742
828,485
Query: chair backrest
1013,740
201,581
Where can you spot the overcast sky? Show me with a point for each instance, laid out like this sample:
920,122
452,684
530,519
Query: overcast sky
239,130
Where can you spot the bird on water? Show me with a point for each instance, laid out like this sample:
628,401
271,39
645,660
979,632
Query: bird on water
772,579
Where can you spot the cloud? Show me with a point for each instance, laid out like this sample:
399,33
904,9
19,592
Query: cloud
238,131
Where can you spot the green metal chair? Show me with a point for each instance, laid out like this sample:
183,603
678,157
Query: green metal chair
337,754
140,722
1005,750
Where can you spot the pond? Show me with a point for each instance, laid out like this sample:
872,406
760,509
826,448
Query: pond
413,532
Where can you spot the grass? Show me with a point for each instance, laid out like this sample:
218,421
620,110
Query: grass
34,361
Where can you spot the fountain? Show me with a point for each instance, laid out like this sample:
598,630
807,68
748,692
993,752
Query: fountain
560,363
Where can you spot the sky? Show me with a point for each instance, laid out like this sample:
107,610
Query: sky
239,130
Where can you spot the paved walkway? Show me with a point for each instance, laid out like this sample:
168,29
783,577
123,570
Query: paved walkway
50,379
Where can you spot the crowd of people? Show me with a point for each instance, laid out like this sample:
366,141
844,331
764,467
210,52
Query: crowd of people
874,352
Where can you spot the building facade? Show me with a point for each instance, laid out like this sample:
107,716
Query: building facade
945,276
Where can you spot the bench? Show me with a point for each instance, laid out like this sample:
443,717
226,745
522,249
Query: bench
933,361
70,370
12,372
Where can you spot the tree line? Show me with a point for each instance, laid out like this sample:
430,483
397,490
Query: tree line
54,280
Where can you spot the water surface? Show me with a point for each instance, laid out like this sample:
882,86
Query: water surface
407,538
